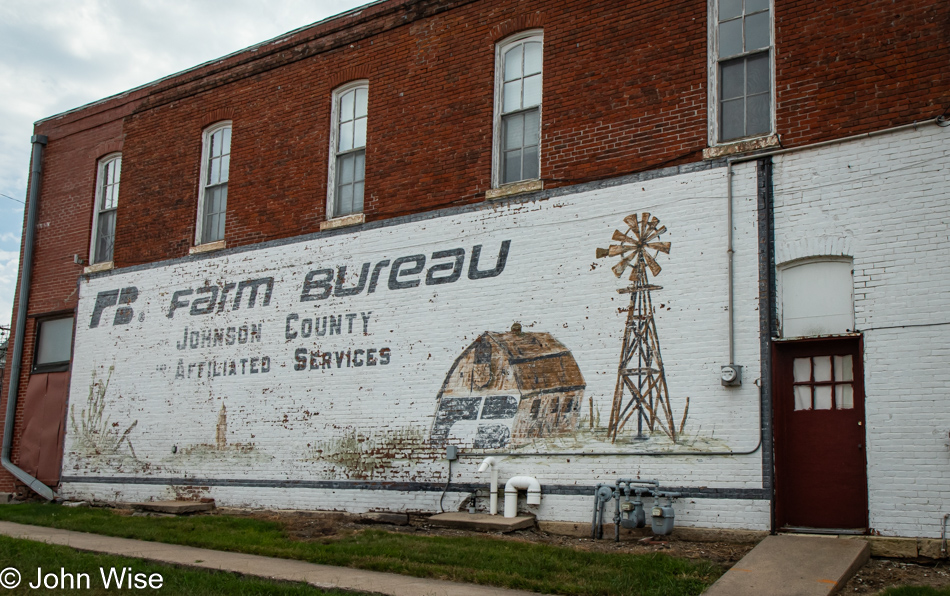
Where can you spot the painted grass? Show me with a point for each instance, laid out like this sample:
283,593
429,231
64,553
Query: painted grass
27,556
481,560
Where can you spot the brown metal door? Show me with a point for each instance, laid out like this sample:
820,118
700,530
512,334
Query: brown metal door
820,463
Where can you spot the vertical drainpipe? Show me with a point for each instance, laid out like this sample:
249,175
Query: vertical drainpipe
767,321
39,142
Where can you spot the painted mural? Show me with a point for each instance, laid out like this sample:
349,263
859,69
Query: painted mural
641,374
509,388
362,354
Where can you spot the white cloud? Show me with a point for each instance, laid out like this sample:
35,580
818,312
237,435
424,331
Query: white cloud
9,262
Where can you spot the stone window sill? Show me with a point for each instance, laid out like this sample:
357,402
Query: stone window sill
516,188
105,266
207,247
739,147
354,219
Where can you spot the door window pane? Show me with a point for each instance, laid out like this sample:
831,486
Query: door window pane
823,397
802,397
843,368
822,368
844,397
801,370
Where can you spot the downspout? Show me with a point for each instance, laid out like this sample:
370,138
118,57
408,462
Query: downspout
39,141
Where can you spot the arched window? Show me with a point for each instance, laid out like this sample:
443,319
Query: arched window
817,297
107,201
213,198
518,82
348,150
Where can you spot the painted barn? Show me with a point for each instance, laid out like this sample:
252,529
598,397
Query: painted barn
509,388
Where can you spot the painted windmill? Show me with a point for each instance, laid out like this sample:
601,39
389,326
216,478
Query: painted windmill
641,383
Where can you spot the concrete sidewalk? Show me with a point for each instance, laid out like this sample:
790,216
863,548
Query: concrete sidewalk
788,565
322,576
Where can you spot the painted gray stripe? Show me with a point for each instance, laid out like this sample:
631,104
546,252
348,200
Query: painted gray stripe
464,487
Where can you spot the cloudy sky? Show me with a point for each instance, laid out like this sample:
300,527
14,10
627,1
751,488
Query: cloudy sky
56,55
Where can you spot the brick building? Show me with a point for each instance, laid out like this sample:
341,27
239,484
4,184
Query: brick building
333,216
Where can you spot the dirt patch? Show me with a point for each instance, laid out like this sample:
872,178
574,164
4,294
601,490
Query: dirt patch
877,575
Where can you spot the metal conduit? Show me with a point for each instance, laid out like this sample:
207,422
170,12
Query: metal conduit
39,142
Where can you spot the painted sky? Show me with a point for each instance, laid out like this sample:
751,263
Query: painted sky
56,55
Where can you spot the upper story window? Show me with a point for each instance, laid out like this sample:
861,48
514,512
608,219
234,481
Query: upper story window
348,150
743,42
107,200
518,78
213,198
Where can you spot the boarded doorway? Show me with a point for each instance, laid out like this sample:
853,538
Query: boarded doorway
820,462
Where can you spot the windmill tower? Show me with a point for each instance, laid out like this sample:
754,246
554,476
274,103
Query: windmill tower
641,382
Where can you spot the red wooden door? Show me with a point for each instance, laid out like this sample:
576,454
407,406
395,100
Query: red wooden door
820,462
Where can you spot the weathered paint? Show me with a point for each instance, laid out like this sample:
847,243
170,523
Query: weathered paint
322,359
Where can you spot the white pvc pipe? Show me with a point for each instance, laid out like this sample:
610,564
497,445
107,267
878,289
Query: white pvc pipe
490,463
511,493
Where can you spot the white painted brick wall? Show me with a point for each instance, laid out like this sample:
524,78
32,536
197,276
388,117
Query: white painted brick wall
885,201
552,283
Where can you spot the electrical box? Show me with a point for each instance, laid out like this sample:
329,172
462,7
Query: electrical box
731,375
451,453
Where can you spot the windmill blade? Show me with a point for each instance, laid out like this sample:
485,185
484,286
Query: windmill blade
643,224
663,247
621,237
616,250
619,267
655,233
601,253
632,221
653,221
652,264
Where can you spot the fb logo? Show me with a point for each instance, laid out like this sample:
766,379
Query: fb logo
121,298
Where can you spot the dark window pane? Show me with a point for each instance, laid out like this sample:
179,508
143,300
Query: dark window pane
513,62
531,164
730,38
532,127
729,9
105,236
732,119
757,32
758,114
757,70
756,5
532,91
54,341
359,166
512,167
514,132
532,58
732,79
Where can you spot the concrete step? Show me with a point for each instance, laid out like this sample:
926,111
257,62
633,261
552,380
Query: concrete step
173,507
482,522
793,566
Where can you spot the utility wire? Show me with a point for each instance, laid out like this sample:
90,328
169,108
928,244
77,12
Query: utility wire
12,199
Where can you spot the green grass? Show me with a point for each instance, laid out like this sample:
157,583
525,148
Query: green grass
482,560
915,591
26,556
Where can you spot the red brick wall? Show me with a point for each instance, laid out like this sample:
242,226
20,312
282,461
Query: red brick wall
848,68
624,91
